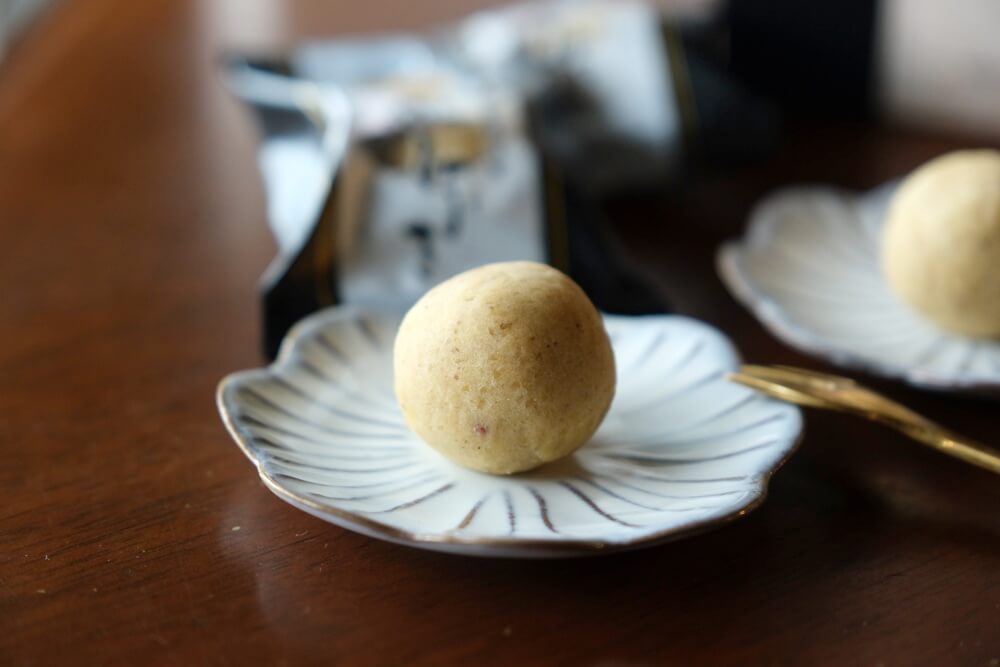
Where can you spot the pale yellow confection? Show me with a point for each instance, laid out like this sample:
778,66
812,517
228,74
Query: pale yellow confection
504,367
941,244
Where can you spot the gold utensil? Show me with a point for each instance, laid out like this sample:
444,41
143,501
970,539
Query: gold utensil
832,392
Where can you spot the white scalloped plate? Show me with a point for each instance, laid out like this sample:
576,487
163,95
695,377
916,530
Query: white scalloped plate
808,269
681,449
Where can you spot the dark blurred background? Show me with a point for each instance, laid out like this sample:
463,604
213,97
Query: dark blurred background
915,61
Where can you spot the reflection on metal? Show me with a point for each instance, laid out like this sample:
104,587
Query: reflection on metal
404,201
431,147
412,158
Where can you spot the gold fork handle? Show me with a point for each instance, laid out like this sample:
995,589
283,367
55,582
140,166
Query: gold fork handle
859,401
954,445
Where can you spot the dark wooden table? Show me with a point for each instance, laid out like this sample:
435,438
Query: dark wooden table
131,238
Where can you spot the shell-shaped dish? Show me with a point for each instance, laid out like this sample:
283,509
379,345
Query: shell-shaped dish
808,268
681,450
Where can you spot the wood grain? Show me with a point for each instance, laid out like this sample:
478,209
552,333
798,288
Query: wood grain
133,531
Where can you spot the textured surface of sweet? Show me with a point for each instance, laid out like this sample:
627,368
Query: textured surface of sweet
941,247
504,367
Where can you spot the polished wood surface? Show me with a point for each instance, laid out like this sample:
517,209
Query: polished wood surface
132,531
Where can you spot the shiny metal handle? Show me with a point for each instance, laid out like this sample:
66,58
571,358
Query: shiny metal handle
817,390
954,445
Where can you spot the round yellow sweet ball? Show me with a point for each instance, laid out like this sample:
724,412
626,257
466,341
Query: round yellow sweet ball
941,243
504,367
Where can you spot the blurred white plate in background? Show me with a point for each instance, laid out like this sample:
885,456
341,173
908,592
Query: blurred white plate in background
808,268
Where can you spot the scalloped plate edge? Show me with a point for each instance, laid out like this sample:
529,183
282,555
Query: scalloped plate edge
484,547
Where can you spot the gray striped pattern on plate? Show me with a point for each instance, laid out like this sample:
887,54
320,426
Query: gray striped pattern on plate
681,449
